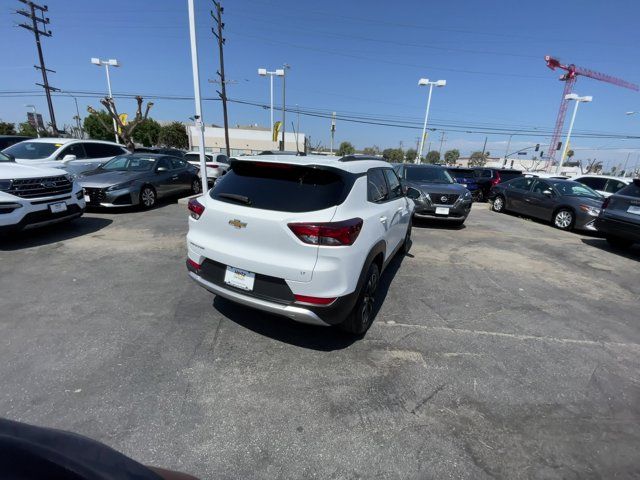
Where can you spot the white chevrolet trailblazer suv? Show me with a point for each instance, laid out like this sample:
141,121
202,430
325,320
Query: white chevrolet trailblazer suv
33,196
300,236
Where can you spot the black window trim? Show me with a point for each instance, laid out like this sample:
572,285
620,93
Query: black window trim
62,153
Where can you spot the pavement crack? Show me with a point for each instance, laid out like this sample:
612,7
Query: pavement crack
439,388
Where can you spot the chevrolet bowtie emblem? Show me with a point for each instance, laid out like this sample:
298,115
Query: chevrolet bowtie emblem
237,223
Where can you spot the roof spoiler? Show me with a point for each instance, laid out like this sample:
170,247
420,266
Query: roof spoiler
353,158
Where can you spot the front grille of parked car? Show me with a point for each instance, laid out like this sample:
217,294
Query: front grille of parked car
96,195
444,198
40,187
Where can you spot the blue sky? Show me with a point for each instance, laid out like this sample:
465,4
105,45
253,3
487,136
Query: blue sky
357,58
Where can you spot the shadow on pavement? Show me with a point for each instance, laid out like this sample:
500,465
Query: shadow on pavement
325,339
52,233
632,253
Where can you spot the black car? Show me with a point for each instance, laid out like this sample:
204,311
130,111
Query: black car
435,193
138,179
174,152
467,178
619,218
489,177
568,205
8,140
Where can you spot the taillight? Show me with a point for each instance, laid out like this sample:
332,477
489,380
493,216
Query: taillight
605,204
496,181
196,208
212,165
314,300
332,234
192,264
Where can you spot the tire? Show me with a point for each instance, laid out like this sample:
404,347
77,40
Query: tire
196,186
148,197
361,317
617,242
564,219
498,204
480,196
406,245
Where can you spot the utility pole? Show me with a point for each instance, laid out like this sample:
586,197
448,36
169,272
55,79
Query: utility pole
441,142
218,19
506,152
484,147
625,164
31,14
333,130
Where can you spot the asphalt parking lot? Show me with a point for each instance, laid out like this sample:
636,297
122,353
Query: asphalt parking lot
505,349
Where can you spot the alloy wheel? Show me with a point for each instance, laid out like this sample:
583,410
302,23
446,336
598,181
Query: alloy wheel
498,204
148,197
563,219
368,300
196,186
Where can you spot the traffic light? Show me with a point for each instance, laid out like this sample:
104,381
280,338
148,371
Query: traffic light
537,147
559,146
542,154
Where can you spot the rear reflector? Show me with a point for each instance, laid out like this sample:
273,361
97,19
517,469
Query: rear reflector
193,264
314,300
330,234
196,208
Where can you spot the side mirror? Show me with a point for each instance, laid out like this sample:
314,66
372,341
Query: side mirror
68,158
162,169
412,193
548,193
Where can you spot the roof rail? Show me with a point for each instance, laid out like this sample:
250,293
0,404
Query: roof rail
353,158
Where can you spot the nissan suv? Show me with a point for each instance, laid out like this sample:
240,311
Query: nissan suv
32,196
302,237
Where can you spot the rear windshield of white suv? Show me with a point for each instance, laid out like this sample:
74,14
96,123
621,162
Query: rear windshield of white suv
282,187
32,150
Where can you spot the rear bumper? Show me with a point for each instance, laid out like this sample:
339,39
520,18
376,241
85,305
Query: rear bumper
299,314
616,228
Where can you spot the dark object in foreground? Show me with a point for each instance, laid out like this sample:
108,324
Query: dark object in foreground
619,218
28,452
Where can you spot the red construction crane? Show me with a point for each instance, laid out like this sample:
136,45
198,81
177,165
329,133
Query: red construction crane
570,79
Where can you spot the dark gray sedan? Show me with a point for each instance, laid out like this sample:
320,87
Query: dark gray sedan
568,205
138,179
435,192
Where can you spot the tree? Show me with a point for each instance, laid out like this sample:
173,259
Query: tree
98,125
451,156
478,159
375,150
570,153
395,155
147,132
7,128
173,135
433,156
410,155
345,148
125,131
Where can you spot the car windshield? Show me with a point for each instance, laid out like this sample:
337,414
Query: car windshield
427,174
32,150
129,163
575,189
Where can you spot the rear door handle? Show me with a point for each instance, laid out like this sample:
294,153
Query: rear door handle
383,219
175,177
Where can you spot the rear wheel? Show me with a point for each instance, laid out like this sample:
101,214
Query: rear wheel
406,246
147,197
498,204
563,219
480,196
196,186
617,242
361,317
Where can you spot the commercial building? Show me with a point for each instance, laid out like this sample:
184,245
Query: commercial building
243,140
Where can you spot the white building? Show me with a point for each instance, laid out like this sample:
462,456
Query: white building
242,140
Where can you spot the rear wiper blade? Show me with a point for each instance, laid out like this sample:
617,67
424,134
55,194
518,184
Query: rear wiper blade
235,197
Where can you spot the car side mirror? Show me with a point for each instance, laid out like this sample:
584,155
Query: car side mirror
68,158
412,193
162,169
548,193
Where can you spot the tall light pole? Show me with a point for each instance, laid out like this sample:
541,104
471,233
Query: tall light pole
285,67
198,100
112,62
422,82
578,100
506,152
35,118
263,72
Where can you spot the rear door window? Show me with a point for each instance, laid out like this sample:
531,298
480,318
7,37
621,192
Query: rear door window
282,187
102,150
613,186
631,190
75,149
593,182
377,190
506,175
177,163
395,189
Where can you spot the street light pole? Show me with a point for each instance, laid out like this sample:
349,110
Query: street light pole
578,100
106,63
278,73
506,152
425,81
284,103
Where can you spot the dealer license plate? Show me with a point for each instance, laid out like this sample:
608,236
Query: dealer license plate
58,207
633,209
442,211
87,198
239,278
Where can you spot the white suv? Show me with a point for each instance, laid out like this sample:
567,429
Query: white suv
215,167
305,237
33,197
73,155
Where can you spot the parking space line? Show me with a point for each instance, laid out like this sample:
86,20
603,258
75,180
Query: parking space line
515,336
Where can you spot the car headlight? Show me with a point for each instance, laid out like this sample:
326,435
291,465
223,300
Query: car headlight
466,195
5,185
589,210
119,186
